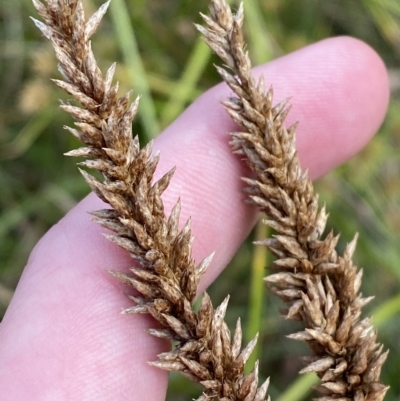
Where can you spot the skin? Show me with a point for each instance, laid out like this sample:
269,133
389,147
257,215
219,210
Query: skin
63,338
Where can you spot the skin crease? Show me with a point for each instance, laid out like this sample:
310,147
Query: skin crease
63,338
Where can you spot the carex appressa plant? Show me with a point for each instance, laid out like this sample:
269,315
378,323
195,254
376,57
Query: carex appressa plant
320,286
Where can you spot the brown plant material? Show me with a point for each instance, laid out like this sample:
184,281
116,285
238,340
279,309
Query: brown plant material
168,277
320,287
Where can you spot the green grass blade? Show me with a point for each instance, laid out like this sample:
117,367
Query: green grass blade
187,84
127,41
27,136
164,86
261,43
300,388
386,311
385,21
259,262
50,194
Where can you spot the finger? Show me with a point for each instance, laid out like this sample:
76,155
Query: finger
62,337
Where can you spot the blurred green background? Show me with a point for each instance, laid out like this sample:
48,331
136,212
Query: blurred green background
38,186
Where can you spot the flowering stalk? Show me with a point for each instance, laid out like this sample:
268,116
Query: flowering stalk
166,275
320,287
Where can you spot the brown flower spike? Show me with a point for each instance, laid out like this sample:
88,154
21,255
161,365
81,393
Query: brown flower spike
168,277
320,287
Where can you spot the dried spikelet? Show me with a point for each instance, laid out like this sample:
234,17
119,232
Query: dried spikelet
320,286
168,276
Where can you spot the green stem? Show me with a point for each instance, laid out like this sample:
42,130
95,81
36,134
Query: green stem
137,75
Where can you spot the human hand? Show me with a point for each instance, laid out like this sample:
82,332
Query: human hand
62,337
